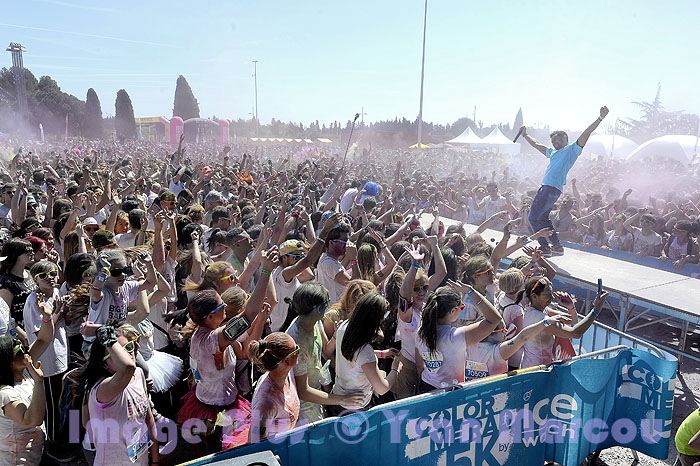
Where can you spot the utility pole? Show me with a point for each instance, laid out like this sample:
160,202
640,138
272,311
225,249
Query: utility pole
255,77
422,76
362,115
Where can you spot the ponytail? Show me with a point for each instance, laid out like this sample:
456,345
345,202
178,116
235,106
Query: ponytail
438,305
268,353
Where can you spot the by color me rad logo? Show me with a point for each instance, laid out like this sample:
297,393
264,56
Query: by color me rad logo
640,382
433,361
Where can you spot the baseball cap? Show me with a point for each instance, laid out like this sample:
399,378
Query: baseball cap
292,246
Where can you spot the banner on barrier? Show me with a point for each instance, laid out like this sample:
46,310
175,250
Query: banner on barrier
560,414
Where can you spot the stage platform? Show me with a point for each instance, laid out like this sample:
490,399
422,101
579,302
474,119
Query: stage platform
643,295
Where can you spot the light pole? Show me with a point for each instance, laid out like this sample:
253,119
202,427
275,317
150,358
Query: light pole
422,75
255,77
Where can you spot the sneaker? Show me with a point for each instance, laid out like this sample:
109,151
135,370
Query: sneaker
557,249
546,251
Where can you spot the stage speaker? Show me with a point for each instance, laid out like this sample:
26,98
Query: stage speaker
263,458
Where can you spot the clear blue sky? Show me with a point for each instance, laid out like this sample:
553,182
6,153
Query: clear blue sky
560,60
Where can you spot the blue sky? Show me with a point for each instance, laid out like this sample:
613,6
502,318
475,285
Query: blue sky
558,60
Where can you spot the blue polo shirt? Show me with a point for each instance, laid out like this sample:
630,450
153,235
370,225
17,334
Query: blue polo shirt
560,162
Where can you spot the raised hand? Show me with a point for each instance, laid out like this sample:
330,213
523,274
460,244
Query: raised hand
600,300
565,299
603,112
432,241
375,236
557,319
270,259
414,252
35,371
460,287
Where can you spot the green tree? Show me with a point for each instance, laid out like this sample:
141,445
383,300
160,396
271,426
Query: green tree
185,105
654,121
124,123
93,126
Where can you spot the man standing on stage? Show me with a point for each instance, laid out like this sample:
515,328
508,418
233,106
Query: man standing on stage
561,159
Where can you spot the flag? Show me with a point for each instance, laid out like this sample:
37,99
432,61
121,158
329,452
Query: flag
518,122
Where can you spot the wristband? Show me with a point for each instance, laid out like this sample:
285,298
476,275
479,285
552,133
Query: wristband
46,320
382,246
352,263
595,312
545,322
265,272
321,240
415,266
95,288
471,292
143,231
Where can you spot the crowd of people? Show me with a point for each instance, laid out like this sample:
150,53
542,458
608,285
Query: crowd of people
254,289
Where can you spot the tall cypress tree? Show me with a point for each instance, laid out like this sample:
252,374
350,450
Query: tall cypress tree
124,116
93,127
185,105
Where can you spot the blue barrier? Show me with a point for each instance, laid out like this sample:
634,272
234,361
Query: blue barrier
559,412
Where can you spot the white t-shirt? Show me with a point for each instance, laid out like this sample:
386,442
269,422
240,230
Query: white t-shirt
349,376
646,243
510,312
538,349
176,188
54,360
125,240
112,307
215,370
494,206
328,268
346,202
483,360
19,445
445,365
7,323
283,289
6,216
407,332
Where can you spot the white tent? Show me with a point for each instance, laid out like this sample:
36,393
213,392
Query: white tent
467,137
677,147
610,145
496,140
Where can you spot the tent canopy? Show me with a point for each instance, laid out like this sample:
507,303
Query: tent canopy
422,146
496,137
467,137
676,147
610,145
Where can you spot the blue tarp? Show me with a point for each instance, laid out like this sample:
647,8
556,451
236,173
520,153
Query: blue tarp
562,414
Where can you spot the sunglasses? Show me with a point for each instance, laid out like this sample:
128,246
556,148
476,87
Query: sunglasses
296,256
19,349
488,272
418,289
92,228
339,241
648,222
245,238
216,309
293,353
129,348
49,274
542,282
233,277
322,307
30,252
128,270
461,306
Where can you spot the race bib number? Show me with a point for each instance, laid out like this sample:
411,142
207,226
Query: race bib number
475,370
140,442
433,361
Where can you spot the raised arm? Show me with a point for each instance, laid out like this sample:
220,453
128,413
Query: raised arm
583,138
533,142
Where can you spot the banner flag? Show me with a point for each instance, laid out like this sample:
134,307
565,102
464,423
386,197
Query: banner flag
561,413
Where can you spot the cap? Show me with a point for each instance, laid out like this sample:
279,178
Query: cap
90,221
102,239
206,170
292,246
31,199
371,188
